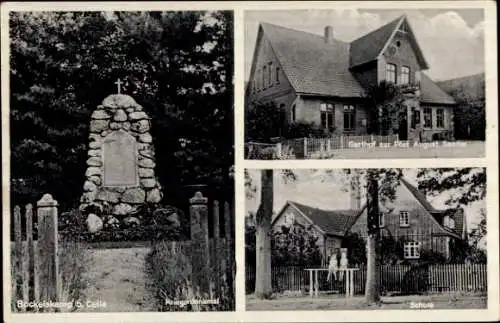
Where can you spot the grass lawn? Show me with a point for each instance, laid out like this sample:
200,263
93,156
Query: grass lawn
472,149
336,302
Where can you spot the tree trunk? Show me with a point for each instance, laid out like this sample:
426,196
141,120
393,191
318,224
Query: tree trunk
263,283
372,293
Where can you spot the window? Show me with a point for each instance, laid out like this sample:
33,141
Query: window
412,250
415,118
390,73
404,219
270,75
326,110
264,72
427,118
405,75
381,219
440,118
294,113
289,219
349,117
277,75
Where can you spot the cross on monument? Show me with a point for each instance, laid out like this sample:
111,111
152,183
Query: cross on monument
119,83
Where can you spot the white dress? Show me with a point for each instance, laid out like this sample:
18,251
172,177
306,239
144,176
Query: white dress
332,267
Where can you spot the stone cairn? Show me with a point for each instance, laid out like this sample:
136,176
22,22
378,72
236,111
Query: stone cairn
120,173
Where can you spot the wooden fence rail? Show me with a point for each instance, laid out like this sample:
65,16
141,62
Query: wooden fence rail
402,279
304,148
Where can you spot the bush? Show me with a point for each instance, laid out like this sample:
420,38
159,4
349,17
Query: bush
155,222
72,265
169,268
304,129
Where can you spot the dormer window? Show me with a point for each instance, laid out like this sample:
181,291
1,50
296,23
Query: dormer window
448,222
390,73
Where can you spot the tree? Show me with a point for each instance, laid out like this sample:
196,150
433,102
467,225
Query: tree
262,122
465,186
177,65
295,246
385,101
470,114
263,283
381,186
372,284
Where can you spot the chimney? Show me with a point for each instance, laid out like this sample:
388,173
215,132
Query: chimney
328,34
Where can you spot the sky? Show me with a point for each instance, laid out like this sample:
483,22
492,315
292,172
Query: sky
451,40
329,191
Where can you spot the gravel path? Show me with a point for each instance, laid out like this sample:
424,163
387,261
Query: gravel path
116,281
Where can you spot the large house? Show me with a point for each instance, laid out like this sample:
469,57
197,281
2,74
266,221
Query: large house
320,79
409,216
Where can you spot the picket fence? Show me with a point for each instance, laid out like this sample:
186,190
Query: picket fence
35,265
398,279
306,148
218,249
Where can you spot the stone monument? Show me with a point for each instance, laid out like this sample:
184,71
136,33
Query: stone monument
120,165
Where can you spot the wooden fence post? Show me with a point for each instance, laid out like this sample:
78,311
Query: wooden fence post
48,261
18,256
217,248
30,244
305,147
199,241
278,149
230,252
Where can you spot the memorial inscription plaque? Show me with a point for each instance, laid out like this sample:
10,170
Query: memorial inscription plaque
120,159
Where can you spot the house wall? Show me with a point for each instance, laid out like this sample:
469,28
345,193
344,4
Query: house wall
405,56
427,133
280,92
299,219
421,227
308,110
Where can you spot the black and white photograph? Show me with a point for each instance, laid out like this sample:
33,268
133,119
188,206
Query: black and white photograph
364,83
361,239
121,161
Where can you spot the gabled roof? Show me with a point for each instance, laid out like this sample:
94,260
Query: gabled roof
431,93
331,222
368,47
457,216
420,197
372,45
311,65
315,67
